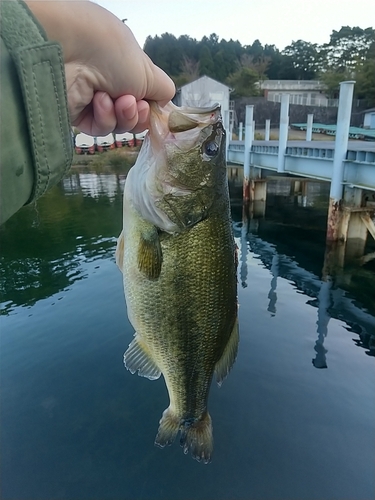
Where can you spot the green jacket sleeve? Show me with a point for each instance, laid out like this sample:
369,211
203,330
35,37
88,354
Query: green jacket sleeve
35,133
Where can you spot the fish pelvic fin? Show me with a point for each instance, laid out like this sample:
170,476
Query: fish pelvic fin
149,255
169,426
196,437
228,357
120,251
137,358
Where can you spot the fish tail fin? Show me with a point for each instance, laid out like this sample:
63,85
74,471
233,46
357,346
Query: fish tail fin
168,428
196,437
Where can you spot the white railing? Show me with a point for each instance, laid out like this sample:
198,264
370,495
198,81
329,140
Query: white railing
305,101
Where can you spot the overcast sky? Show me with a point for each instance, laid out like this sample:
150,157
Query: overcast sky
277,22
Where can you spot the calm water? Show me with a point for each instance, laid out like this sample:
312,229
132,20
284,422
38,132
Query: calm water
294,420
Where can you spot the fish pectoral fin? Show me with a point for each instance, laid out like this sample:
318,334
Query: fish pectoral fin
136,358
120,251
150,256
226,361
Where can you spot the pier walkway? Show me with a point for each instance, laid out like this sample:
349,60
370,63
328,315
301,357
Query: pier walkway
312,159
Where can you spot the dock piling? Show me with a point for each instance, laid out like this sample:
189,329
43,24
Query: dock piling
283,134
240,132
341,147
268,127
310,118
248,142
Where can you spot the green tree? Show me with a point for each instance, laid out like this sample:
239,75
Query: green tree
206,63
347,48
166,52
258,65
303,57
275,62
244,82
365,78
331,79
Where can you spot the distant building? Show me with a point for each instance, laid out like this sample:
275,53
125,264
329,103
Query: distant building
369,118
305,92
206,92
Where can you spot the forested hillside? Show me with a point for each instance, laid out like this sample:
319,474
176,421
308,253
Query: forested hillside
349,54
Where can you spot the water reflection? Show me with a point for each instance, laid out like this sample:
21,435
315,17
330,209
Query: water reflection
330,300
44,247
94,185
324,303
272,293
72,414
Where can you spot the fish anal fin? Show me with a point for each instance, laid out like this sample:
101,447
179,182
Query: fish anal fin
138,359
168,428
120,250
149,253
228,357
196,437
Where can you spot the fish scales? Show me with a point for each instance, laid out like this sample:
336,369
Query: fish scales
180,286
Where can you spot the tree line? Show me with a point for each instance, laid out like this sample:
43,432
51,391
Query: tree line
349,55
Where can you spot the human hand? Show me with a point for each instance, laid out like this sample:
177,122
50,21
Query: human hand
108,76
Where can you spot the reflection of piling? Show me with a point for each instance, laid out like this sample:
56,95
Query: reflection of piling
248,143
243,254
272,295
325,300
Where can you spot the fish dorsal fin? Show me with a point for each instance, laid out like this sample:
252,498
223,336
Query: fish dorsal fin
137,358
226,361
120,251
150,256
178,122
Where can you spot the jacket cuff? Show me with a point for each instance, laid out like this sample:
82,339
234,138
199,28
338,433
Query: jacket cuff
40,68
41,72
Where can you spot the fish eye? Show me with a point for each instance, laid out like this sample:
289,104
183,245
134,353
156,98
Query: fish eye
211,148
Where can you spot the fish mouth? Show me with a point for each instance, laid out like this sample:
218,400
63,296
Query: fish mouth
171,123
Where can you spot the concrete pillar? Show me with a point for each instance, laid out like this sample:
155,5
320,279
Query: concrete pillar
353,196
341,147
226,126
309,127
258,209
283,134
240,132
268,127
253,129
260,190
248,143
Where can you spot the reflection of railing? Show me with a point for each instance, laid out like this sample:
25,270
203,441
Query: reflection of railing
94,185
46,249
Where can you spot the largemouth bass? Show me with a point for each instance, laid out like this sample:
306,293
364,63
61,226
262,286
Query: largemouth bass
178,259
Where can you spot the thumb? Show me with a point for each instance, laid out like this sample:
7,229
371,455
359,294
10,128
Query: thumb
161,88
